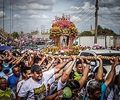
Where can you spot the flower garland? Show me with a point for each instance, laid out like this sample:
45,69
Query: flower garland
63,27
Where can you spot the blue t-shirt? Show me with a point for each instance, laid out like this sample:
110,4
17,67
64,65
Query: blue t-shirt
12,82
103,90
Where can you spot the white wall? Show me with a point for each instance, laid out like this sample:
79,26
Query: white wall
89,41
117,41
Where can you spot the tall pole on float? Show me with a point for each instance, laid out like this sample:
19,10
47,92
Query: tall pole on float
96,21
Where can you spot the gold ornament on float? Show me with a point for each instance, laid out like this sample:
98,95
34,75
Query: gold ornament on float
63,32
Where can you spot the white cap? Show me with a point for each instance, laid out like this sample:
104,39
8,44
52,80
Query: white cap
61,51
56,53
49,52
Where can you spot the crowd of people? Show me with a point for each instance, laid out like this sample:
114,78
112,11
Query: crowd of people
37,76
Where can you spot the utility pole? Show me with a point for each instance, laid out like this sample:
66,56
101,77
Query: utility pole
10,15
96,21
3,14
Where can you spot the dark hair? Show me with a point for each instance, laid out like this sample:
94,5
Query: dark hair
96,70
36,68
36,59
2,78
15,66
6,71
46,61
92,86
117,78
16,53
26,69
1,61
78,62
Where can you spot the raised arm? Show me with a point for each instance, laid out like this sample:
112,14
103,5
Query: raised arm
83,79
58,67
50,63
67,72
112,71
99,75
17,61
41,61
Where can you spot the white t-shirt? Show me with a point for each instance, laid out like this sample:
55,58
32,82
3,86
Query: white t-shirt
36,89
60,85
19,85
56,85
52,84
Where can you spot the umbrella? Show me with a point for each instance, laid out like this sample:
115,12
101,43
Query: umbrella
3,48
97,46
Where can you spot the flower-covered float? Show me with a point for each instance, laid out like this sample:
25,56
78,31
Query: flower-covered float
63,33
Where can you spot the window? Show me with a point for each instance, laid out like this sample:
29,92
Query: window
86,54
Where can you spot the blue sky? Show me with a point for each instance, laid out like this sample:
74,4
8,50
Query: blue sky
29,15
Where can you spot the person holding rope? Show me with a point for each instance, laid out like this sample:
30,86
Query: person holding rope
96,88
36,86
72,86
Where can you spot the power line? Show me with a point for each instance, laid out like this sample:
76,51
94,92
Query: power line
87,19
109,23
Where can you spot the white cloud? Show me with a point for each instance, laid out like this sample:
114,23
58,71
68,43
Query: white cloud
21,7
75,19
86,5
35,16
44,16
115,9
38,6
47,2
85,9
74,8
32,6
30,11
17,16
39,16
108,1
104,10
1,14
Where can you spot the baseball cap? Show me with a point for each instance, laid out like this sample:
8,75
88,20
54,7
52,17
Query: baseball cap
67,93
36,68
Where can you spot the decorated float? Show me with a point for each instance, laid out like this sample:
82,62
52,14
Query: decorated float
63,32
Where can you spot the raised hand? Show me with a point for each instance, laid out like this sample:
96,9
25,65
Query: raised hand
81,59
115,61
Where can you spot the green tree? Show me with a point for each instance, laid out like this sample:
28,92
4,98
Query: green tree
105,31
15,35
34,32
86,33
101,31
